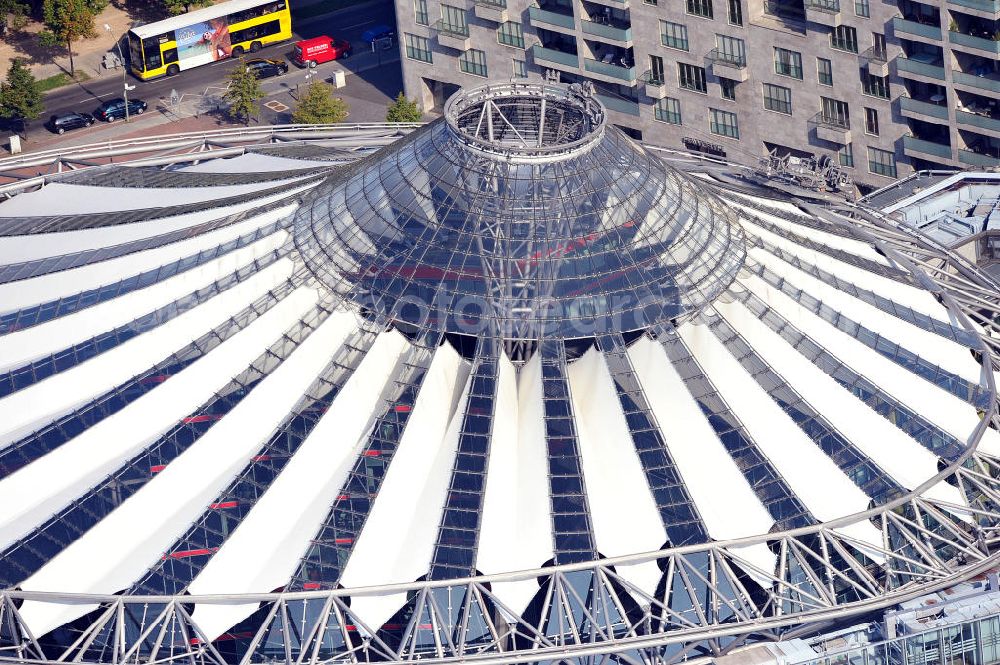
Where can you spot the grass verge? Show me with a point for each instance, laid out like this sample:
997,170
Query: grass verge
60,79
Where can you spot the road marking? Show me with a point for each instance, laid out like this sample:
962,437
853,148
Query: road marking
356,25
91,98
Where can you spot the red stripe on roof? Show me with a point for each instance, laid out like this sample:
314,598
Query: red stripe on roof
157,468
260,458
186,553
310,585
403,408
156,378
343,541
225,504
372,453
201,418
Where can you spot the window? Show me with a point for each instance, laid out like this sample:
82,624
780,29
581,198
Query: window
735,12
691,77
861,8
824,71
846,156
453,20
255,32
728,88
417,48
881,162
871,121
656,75
511,34
649,2
844,38
700,8
520,69
836,112
788,63
724,123
777,98
878,44
674,35
876,86
473,61
668,110
420,12
731,49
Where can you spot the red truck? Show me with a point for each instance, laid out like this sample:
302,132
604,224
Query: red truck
311,52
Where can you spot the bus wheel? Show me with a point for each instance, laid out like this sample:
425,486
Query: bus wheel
254,47
173,70
237,51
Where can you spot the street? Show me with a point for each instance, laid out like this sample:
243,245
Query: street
366,94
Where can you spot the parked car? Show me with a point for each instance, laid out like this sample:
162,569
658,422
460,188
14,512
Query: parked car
264,68
63,122
311,52
378,32
114,109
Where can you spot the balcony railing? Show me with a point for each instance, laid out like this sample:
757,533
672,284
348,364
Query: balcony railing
652,78
923,108
977,159
914,28
830,6
920,68
978,43
539,15
607,31
492,4
552,55
609,69
977,120
991,6
875,55
451,29
981,82
927,147
618,104
831,122
728,59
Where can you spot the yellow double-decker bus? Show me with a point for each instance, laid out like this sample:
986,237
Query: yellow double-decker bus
207,35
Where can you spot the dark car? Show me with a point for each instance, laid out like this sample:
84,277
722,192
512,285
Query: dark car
378,32
63,122
114,109
263,68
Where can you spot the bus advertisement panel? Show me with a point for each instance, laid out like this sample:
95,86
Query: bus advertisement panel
201,43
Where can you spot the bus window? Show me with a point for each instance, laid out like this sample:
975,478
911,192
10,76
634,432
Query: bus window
169,55
135,49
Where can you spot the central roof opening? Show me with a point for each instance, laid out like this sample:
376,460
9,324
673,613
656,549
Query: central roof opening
527,120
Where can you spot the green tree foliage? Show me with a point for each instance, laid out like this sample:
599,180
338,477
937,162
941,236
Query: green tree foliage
243,94
20,98
319,106
13,15
66,21
181,6
403,110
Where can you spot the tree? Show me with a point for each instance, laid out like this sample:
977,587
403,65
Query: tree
20,98
67,21
13,15
243,94
181,6
319,106
403,110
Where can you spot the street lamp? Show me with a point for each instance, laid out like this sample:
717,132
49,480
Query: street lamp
121,58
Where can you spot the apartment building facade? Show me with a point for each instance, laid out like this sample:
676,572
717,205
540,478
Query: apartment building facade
880,87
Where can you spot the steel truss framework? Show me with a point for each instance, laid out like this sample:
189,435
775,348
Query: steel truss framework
710,597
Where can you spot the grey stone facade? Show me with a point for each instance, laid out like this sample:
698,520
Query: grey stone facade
939,61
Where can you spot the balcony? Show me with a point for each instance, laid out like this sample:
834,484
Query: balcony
656,87
452,36
618,4
823,12
977,159
876,61
979,45
728,65
911,66
921,148
833,129
978,118
990,7
545,18
613,72
914,108
491,10
902,26
607,32
554,57
618,104
981,82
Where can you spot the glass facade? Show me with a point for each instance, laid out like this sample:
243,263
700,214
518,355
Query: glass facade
668,110
674,35
777,98
724,123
